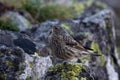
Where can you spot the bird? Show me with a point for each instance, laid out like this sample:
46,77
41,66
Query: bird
63,46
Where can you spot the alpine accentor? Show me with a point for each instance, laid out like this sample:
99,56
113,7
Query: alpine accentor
64,46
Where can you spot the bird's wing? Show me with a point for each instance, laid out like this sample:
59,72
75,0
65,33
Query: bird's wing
71,51
76,52
69,41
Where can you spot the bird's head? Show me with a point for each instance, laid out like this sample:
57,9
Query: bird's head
57,29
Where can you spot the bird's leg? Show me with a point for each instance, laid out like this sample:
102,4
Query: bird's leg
57,61
65,62
79,61
70,61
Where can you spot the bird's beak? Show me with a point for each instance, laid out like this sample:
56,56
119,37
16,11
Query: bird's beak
53,27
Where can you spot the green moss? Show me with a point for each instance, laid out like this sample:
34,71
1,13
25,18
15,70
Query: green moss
49,11
67,27
96,48
21,63
8,25
32,7
74,78
85,58
64,78
82,78
29,78
79,7
55,12
31,64
89,2
36,55
118,48
8,63
101,4
43,12
3,76
68,71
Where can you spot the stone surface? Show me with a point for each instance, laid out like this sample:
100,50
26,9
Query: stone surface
15,64
17,20
98,33
11,63
12,39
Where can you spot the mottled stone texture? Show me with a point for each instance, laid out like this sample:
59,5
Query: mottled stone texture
15,64
96,31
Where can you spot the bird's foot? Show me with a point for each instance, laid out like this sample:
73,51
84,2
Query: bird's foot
79,61
65,62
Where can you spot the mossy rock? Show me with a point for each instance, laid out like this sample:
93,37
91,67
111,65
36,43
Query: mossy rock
8,25
68,71
11,63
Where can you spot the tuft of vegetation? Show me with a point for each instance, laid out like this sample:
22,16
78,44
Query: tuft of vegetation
55,12
15,3
50,12
7,25
43,12
31,7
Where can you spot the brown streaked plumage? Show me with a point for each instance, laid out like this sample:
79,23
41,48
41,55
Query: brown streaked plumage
63,45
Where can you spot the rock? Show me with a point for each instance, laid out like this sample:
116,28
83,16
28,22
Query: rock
6,38
98,34
94,31
27,15
39,34
69,71
15,64
13,39
27,45
100,26
40,67
17,20
11,63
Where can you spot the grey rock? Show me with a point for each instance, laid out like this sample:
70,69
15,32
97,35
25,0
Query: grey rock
12,39
17,20
15,64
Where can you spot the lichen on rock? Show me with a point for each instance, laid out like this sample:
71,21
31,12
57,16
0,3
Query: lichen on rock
11,63
68,71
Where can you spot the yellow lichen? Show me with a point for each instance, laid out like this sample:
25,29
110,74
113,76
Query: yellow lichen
79,7
96,48
69,71
65,26
82,78
8,63
31,64
118,49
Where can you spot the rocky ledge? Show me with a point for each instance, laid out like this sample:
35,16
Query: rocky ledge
25,55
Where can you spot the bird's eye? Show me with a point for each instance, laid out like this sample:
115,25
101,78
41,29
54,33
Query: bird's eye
56,27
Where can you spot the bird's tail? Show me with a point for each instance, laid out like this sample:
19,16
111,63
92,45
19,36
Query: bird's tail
90,53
